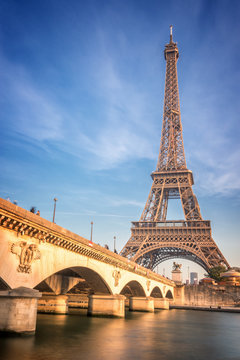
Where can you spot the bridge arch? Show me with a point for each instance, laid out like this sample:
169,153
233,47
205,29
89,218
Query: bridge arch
133,288
94,279
169,294
63,281
56,260
156,292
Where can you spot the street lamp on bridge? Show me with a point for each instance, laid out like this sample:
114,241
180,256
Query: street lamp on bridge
91,230
54,209
90,242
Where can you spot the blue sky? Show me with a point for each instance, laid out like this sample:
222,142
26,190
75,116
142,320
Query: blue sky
81,100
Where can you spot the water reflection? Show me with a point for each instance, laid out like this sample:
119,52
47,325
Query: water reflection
175,334
11,348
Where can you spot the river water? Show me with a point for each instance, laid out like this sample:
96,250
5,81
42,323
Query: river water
171,335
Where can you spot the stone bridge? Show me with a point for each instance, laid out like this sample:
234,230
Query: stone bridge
38,257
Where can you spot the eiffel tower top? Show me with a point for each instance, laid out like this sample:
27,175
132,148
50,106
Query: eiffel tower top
172,46
171,156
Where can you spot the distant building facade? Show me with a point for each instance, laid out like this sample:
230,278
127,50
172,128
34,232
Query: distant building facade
193,278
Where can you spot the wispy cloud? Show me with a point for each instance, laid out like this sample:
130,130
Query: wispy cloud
109,200
123,133
123,115
220,174
91,213
124,128
210,117
127,132
30,110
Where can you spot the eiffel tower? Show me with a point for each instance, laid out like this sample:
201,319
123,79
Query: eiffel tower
153,238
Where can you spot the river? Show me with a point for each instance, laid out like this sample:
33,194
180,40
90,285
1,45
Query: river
170,335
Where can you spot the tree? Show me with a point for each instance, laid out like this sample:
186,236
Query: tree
236,268
215,272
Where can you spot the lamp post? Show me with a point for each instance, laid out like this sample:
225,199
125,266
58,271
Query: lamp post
54,209
90,241
114,242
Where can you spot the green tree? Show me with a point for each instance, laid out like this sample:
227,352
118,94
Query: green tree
215,272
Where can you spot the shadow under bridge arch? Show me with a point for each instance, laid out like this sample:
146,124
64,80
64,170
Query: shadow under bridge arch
133,288
75,279
4,285
169,294
156,292
95,280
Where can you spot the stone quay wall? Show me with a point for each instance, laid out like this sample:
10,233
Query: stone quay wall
207,295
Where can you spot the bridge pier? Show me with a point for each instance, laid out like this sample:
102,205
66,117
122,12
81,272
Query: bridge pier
106,305
141,304
161,303
53,304
18,310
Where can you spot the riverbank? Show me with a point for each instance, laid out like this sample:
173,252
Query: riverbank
207,308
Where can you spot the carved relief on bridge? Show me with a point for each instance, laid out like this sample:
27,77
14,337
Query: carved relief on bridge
26,253
117,276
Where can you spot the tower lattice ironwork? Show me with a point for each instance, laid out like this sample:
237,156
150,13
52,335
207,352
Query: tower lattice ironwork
153,238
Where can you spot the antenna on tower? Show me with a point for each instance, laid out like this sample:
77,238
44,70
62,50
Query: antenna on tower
171,33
